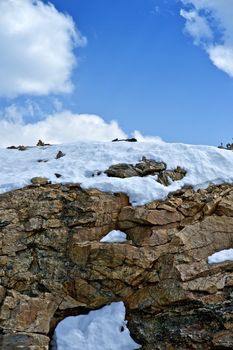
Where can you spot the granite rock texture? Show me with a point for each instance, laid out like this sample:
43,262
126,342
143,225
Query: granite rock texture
52,265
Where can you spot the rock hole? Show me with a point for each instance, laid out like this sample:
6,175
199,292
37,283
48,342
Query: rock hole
103,329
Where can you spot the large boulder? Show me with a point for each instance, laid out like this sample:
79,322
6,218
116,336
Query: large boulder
144,168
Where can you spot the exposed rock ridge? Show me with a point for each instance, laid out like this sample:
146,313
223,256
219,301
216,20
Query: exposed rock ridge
53,265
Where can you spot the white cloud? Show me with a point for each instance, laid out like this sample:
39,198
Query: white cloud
58,127
210,24
16,113
222,57
36,45
64,127
196,26
138,135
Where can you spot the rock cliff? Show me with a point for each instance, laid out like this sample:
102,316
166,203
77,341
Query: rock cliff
53,265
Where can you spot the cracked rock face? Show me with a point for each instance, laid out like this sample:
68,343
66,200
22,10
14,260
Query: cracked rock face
52,265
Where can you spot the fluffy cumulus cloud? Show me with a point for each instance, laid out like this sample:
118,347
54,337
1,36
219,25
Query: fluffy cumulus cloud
63,127
37,48
210,24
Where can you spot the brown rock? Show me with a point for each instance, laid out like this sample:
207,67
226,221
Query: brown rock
149,167
39,180
142,215
52,264
225,206
176,174
121,171
25,341
144,168
27,314
163,179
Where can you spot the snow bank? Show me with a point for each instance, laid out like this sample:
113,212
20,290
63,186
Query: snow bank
103,329
204,165
221,256
114,236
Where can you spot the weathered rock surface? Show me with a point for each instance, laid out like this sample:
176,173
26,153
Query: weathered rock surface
52,265
39,180
144,168
25,341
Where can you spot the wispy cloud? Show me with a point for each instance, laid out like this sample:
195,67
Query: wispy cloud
210,24
22,113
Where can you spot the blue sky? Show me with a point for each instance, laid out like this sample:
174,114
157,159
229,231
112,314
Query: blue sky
141,68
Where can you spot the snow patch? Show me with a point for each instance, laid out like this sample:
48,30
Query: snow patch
114,236
221,256
103,329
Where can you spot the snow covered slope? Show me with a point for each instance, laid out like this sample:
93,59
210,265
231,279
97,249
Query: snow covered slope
204,165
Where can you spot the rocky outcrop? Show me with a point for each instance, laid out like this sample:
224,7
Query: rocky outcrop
53,265
144,168
132,139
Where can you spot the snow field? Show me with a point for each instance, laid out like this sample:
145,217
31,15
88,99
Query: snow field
204,165
106,329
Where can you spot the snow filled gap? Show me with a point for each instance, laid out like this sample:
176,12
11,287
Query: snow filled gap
114,236
103,329
221,256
